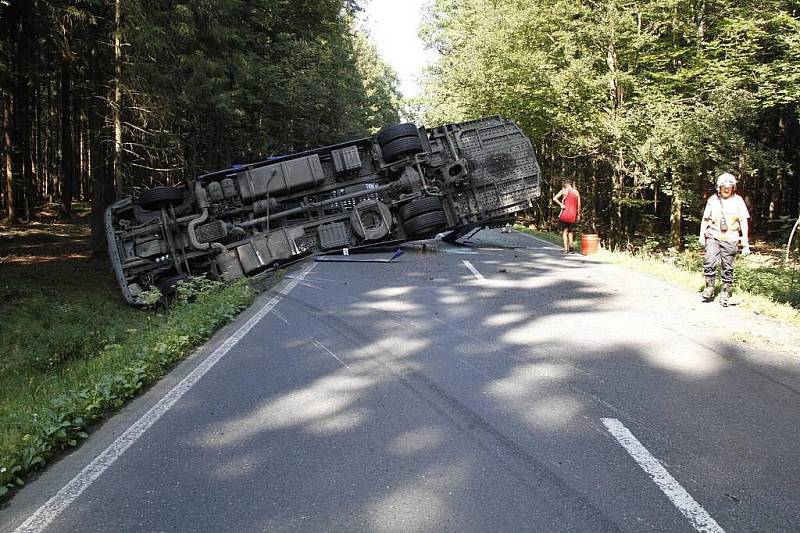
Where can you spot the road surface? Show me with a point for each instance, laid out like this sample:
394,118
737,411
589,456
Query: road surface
492,387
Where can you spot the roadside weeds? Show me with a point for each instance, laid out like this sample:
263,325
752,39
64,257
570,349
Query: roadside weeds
71,352
765,291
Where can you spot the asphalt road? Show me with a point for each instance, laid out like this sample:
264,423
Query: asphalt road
493,387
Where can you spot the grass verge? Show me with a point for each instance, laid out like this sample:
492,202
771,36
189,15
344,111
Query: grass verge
45,410
767,290
71,352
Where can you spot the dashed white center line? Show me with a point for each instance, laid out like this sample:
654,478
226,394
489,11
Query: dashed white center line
324,349
474,271
687,505
281,317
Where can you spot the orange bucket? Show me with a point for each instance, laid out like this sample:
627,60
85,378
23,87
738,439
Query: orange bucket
589,243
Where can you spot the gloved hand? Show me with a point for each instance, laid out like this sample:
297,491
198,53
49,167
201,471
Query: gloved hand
702,240
745,250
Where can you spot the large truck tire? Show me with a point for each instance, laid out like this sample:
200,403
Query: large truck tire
158,197
169,286
402,146
426,225
421,206
397,131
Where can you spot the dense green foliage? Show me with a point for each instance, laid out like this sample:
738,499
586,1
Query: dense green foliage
103,97
235,80
67,369
643,102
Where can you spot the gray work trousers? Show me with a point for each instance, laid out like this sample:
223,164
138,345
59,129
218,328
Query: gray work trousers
723,252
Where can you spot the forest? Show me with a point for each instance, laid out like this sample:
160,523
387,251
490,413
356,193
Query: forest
103,98
644,103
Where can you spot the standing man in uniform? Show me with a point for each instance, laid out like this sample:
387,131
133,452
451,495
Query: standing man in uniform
724,225
570,201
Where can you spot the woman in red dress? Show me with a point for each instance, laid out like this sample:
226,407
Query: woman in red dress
570,201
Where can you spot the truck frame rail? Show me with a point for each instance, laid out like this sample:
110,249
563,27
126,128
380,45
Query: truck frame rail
405,183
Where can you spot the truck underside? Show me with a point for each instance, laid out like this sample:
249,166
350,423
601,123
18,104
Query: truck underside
402,184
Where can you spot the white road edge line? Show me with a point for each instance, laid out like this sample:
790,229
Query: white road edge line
324,349
687,505
549,244
474,270
58,503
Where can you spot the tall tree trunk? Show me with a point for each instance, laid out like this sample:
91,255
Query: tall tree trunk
117,107
616,233
102,181
25,61
617,156
11,16
67,166
701,23
77,144
593,198
52,142
676,211
86,157
41,170
777,193
793,207
47,143
8,148
24,139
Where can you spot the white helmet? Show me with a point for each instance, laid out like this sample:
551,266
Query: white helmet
726,180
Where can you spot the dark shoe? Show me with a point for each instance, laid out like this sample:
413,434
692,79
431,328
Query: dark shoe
708,292
725,294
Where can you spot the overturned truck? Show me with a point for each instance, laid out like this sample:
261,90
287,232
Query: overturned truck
405,183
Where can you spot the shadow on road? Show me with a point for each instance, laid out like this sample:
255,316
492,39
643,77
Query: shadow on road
413,396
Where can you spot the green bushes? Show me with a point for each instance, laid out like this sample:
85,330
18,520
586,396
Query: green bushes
77,371
780,284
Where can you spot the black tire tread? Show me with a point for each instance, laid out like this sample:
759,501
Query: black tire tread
425,224
397,131
404,145
420,206
153,199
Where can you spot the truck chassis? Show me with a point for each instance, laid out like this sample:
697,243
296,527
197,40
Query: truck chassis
405,183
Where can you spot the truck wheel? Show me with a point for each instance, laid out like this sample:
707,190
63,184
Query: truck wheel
371,220
404,145
421,206
426,225
397,131
158,197
169,286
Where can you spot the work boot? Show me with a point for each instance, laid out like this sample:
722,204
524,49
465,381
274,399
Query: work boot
725,294
708,292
